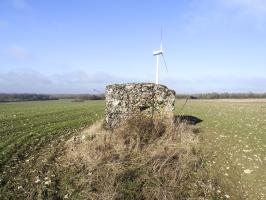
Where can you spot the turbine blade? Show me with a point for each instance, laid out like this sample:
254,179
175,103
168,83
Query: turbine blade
161,38
164,63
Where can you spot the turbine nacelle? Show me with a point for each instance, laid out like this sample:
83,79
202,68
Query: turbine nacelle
158,52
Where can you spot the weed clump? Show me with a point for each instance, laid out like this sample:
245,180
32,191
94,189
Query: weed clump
145,158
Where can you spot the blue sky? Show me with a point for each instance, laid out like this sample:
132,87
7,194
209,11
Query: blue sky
79,46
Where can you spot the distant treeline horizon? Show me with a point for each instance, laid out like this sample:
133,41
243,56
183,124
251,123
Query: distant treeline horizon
224,95
16,97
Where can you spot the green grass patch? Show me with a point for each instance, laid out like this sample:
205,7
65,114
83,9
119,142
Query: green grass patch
32,135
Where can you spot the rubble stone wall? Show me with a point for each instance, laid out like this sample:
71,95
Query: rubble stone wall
122,100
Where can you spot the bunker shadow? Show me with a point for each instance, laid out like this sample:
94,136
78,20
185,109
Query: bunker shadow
189,119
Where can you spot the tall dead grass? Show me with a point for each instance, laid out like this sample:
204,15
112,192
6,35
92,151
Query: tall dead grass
143,159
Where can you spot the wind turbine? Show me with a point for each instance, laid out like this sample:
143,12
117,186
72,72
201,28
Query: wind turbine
159,53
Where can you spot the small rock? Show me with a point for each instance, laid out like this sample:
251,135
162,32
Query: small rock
47,182
37,180
227,196
247,171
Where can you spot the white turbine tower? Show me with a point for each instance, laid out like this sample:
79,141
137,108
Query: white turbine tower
159,53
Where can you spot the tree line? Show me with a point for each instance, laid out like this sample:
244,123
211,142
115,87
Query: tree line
81,97
25,97
6,97
224,95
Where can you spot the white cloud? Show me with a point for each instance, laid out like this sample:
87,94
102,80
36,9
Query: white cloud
18,52
81,82
67,82
82,77
256,8
20,4
216,14
217,84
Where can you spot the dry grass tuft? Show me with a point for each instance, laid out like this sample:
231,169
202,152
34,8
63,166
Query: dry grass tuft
143,159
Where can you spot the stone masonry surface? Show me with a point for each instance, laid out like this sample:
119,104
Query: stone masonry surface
122,100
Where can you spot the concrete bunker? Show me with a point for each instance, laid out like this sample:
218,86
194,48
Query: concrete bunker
123,100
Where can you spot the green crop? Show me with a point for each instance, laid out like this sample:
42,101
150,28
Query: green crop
233,134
